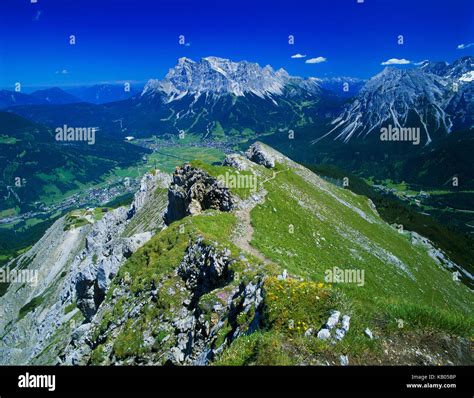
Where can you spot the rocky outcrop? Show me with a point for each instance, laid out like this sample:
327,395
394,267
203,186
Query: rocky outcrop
259,154
211,308
98,262
205,269
75,267
458,273
148,185
23,337
106,249
236,161
193,191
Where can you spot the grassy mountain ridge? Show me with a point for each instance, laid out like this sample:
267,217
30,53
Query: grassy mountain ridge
247,284
306,226
458,245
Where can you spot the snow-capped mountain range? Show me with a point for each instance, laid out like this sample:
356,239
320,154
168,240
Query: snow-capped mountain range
217,96
219,76
435,96
460,70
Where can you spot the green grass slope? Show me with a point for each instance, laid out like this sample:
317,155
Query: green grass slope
332,227
307,226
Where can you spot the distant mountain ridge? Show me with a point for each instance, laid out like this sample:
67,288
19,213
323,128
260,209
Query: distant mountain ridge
220,76
433,96
96,94
103,93
345,86
11,98
217,97
214,97
51,96
459,69
55,96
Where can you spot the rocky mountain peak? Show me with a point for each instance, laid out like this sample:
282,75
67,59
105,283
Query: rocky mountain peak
221,76
393,96
185,60
456,71
436,67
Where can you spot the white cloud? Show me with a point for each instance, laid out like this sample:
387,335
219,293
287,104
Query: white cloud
464,46
421,62
62,72
299,56
396,61
317,60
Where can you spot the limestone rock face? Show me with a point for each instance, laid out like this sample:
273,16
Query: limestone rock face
149,183
106,248
257,153
197,329
205,269
92,277
236,161
193,191
75,267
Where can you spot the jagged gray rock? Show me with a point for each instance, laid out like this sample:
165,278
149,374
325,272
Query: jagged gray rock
106,249
149,183
341,332
369,333
195,338
205,269
219,76
324,334
258,153
333,319
75,267
236,161
344,360
193,191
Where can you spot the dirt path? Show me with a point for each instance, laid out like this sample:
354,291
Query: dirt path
244,230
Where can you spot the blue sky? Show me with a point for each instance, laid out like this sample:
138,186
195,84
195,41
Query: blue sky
135,40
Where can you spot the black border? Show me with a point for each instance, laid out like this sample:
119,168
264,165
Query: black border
132,379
